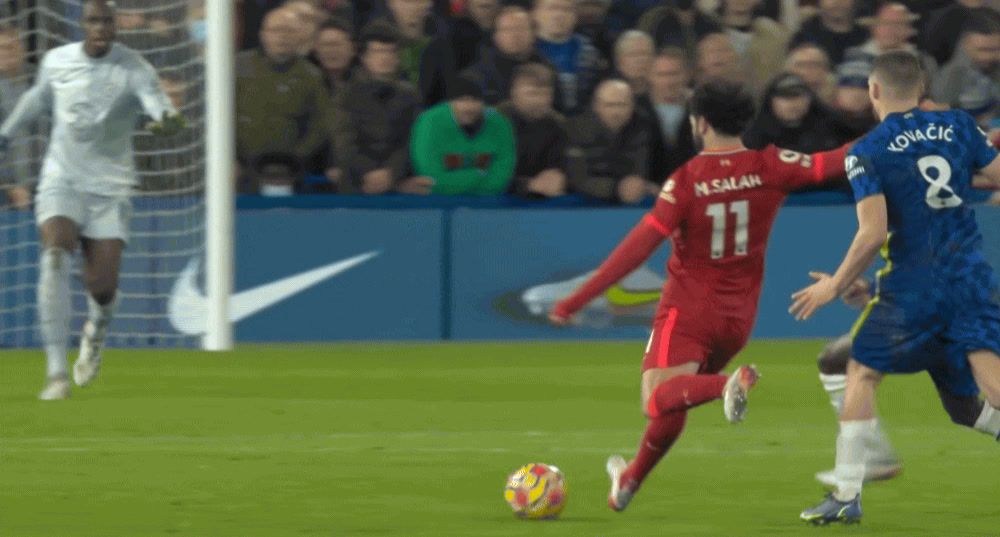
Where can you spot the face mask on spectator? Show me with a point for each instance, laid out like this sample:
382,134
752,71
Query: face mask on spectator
198,30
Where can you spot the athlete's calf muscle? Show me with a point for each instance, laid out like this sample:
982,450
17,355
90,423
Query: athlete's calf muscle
102,260
986,370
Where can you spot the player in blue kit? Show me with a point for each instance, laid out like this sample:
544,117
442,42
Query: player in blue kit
937,305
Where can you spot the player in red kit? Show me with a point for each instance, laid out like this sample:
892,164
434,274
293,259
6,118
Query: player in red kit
718,210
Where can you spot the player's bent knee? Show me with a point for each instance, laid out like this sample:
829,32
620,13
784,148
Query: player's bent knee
653,378
103,296
963,410
986,370
832,360
101,287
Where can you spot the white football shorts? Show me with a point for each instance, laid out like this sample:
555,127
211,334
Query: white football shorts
98,217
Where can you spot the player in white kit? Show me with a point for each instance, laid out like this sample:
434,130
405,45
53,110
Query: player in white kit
95,92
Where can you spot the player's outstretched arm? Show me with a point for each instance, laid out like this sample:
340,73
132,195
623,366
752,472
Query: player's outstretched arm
802,171
988,178
33,103
873,229
984,183
155,103
635,249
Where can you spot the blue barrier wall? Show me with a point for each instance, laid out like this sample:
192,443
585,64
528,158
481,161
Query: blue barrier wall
462,273
488,258
397,294
497,255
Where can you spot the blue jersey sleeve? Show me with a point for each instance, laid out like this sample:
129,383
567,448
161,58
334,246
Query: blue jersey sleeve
862,176
981,150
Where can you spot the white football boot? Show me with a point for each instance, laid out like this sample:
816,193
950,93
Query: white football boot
619,497
735,392
88,364
55,389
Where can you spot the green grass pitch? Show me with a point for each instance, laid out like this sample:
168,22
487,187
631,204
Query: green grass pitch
416,440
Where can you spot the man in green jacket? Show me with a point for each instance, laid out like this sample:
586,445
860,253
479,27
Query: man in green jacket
465,147
281,103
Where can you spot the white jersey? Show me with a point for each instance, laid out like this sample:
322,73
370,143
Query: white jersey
95,104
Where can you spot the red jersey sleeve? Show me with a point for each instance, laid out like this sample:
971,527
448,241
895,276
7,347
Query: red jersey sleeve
798,170
671,204
633,251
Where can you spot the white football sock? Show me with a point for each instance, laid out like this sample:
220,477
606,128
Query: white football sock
989,421
835,386
100,315
851,450
879,448
55,308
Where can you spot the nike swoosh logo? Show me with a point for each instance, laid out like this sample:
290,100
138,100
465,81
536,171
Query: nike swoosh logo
619,296
188,306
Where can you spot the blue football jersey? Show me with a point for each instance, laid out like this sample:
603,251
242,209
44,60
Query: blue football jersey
924,162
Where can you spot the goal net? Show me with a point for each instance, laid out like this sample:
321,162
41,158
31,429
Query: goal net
167,228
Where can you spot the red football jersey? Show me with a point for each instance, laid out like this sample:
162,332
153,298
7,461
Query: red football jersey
719,209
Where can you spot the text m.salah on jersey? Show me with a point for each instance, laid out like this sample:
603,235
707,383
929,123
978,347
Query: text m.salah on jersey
727,184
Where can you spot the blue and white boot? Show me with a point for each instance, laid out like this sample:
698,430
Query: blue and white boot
834,510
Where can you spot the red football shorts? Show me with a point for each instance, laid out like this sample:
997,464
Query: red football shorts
682,335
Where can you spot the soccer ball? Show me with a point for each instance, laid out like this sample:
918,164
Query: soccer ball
536,491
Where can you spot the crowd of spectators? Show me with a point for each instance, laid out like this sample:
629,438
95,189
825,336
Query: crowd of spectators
540,98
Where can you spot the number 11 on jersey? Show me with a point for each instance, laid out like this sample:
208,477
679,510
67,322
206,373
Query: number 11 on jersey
718,213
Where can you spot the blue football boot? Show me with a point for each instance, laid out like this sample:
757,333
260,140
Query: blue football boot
834,510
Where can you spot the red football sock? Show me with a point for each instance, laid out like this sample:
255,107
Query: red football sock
683,392
660,435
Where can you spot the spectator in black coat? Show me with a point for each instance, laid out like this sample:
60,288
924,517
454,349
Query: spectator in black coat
426,55
608,156
514,45
834,29
791,117
634,51
540,133
852,103
471,33
678,23
591,16
373,115
334,53
944,27
253,13
669,80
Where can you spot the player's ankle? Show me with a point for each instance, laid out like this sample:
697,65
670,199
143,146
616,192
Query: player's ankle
627,481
